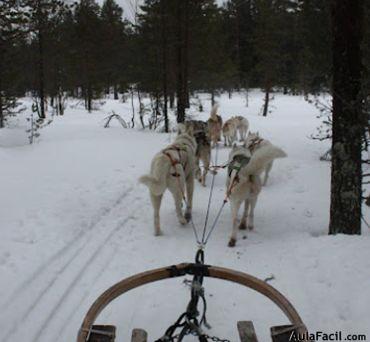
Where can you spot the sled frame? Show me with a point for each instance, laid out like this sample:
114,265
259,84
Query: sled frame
180,270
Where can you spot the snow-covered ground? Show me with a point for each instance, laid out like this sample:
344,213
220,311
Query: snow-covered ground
74,221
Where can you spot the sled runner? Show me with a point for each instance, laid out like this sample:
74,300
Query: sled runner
190,322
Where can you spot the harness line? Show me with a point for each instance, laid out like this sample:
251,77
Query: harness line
209,199
188,322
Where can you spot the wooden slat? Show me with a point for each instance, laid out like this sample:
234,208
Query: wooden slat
285,333
247,332
139,335
103,333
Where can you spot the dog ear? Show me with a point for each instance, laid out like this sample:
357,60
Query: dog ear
189,129
181,128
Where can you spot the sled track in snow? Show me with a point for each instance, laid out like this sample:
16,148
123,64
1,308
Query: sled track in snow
83,247
65,323
65,249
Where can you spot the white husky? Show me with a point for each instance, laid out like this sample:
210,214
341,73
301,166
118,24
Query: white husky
173,169
233,126
253,143
242,126
229,131
244,183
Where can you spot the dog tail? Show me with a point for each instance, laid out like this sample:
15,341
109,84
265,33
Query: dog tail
156,180
262,157
214,110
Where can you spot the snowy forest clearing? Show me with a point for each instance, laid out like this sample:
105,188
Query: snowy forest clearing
74,221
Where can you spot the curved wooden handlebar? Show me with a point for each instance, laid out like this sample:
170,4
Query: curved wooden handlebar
180,270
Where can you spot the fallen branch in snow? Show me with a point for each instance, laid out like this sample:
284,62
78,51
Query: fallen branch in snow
271,277
366,223
326,156
118,117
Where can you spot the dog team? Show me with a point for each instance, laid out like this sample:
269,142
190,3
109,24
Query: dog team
188,157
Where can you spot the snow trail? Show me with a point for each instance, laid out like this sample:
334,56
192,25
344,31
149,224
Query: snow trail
74,221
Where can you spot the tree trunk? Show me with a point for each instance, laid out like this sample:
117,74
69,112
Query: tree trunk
186,55
115,90
213,101
172,100
133,108
41,73
180,63
346,174
267,101
1,111
164,65
89,98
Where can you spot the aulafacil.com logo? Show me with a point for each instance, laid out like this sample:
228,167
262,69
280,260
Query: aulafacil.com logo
322,336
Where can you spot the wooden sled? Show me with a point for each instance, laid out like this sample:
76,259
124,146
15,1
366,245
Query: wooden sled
97,333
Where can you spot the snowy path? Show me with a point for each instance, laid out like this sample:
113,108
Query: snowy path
68,266
74,221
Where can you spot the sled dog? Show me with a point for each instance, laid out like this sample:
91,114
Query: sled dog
229,131
233,126
243,182
215,126
253,143
242,126
173,169
203,151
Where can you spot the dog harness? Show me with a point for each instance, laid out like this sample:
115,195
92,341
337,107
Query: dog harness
238,162
255,143
173,161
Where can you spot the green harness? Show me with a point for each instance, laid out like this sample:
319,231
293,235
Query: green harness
238,162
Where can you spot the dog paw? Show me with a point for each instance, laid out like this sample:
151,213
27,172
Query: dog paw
232,242
158,233
242,226
187,217
183,221
250,227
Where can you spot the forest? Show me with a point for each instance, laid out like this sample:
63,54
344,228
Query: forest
170,50
107,104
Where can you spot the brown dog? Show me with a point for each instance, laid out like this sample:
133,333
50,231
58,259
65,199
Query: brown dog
215,126
203,152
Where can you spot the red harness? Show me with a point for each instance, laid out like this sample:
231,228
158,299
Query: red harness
173,161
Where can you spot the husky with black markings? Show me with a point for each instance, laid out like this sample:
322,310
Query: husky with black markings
203,152
214,126
173,169
244,183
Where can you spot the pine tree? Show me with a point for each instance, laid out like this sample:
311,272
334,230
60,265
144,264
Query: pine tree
88,33
113,37
211,65
39,13
266,41
348,117
314,35
239,26
11,33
